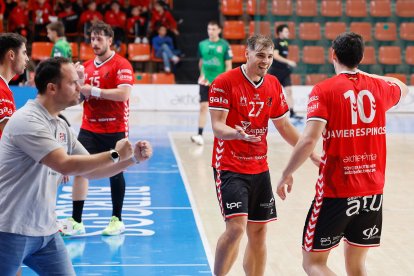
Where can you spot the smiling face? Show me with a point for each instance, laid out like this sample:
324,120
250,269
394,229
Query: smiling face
258,61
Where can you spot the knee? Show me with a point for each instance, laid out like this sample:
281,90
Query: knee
235,232
355,268
311,267
257,235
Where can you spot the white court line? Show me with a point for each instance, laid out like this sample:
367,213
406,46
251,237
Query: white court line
192,203
136,265
157,172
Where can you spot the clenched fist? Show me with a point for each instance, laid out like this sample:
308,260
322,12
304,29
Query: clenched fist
142,151
124,148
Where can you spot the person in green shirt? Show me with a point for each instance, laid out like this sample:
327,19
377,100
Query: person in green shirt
215,58
56,34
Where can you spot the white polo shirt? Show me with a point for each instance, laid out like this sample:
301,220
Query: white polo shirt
28,188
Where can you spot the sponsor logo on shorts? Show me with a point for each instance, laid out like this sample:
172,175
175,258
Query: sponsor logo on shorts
269,204
371,233
326,241
232,205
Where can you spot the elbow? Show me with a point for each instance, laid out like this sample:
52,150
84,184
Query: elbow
308,142
65,170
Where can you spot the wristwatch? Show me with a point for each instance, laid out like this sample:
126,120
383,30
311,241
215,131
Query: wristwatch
114,156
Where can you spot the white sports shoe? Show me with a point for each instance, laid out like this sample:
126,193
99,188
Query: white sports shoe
69,227
198,139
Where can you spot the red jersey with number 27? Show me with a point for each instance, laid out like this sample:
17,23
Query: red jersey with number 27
353,105
7,106
106,116
249,105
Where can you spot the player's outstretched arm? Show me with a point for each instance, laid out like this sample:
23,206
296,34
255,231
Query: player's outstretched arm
303,149
90,166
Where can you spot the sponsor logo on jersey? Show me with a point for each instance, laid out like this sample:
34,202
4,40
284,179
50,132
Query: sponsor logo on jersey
125,77
357,132
124,71
269,101
256,97
313,98
245,124
218,100
243,101
313,107
215,89
6,111
257,131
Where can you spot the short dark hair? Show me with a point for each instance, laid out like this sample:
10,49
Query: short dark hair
49,71
259,42
349,49
10,41
214,22
99,26
58,27
280,28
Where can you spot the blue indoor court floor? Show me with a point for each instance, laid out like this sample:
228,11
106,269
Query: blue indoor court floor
163,231
161,238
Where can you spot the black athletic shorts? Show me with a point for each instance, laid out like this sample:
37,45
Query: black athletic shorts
248,195
204,93
283,76
357,219
99,142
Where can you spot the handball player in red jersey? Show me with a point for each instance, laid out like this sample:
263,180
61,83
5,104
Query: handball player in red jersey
348,111
241,103
108,84
13,61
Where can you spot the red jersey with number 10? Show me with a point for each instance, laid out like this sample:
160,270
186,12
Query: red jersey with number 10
106,116
353,105
7,106
249,105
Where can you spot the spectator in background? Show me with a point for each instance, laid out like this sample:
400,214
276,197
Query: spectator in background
56,34
19,19
162,17
2,9
117,20
137,25
88,17
69,18
41,12
164,48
